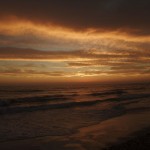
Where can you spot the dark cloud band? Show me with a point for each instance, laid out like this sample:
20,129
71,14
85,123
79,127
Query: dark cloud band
128,15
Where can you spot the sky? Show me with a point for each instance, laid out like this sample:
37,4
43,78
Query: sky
74,40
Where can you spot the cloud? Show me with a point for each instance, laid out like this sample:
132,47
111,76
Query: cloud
74,38
123,55
124,15
25,34
76,63
27,72
31,54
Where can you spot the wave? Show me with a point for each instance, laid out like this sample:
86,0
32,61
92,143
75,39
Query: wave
111,92
21,108
20,91
35,99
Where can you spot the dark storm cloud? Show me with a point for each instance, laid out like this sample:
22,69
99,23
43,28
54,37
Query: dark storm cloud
128,15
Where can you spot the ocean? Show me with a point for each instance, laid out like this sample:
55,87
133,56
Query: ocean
78,116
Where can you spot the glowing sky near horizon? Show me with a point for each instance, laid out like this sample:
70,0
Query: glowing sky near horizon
74,41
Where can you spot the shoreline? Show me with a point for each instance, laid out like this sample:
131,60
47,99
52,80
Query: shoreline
113,134
139,140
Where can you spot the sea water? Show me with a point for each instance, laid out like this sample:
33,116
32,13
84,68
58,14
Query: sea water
28,112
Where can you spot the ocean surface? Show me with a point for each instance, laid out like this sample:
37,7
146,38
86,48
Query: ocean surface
73,113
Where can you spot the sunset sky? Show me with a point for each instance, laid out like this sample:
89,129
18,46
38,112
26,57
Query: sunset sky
74,40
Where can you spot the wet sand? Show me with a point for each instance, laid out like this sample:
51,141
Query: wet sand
127,132
139,142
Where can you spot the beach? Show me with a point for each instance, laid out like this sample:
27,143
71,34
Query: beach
106,118
74,74
108,135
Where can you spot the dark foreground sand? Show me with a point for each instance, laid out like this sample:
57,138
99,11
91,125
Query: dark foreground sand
140,141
